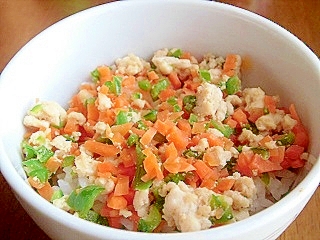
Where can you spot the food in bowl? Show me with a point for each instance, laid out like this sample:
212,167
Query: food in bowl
173,144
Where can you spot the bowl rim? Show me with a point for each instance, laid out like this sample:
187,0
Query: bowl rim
23,190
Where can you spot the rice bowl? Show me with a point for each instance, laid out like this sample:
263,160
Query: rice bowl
93,60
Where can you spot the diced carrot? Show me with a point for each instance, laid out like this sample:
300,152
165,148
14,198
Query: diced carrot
129,82
204,171
184,125
176,165
107,116
294,113
231,65
231,122
123,129
163,127
152,75
46,191
120,101
101,148
178,137
122,186
211,158
128,157
71,126
107,167
240,116
147,137
277,154
243,162
105,74
165,94
104,89
265,140
116,202
271,103
199,127
261,165
35,182
174,80
255,113
224,184
92,112
185,55
53,164
151,166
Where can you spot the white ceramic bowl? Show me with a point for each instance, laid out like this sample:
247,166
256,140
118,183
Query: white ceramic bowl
53,64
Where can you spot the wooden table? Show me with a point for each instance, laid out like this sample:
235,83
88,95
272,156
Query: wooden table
20,20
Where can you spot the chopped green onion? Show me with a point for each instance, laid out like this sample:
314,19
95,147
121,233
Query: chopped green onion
175,177
56,195
94,217
193,118
263,152
115,85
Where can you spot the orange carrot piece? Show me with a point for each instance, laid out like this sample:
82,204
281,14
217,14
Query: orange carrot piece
123,129
240,116
71,126
294,113
53,164
105,74
151,166
122,186
165,94
224,184
211,158
178,137
271,103
174,80
277,154
46,191
105,167
101,148
129,82
147,137
92,112
203,170
152,75
116,202
231,65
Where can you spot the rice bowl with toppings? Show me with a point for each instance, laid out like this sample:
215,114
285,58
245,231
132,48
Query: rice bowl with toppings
172,144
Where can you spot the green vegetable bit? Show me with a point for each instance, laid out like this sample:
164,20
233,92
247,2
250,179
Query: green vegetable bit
95,75
144,85
35,168
286,139
189,102
56,195
115,85
138,184
157,88
122,118
177,53
217,202
175,177
151,116
94,217
82,200
132,139
205,75
68,161
152,221
263,152
233,85
225,129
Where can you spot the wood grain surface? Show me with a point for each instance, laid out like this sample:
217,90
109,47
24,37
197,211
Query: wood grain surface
21,20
